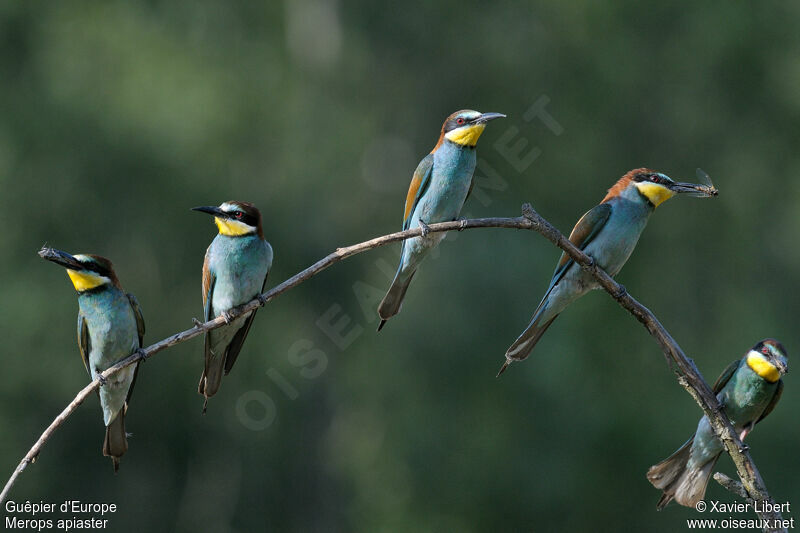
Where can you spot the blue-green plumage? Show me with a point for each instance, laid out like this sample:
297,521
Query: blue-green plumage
446,188
748,390
608,233
108,332
110,328
441,185
234,272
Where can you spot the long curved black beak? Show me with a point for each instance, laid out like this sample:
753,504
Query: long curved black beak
694,189
486,117
61,258
211,210
781,365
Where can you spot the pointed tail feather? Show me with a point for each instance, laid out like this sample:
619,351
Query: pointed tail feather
390,305
524,344
115,443
211,379
503,368
685,485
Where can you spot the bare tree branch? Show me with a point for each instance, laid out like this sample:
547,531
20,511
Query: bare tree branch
688,375
732,485
200,327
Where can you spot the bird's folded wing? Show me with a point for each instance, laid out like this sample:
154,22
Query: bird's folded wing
419,184
726,376
84,341
773,402
137,312
582,234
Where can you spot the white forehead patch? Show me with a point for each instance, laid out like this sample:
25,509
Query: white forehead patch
470,115
228,207
773,350
81,257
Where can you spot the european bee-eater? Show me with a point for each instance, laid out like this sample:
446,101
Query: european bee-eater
748,390
234,272
608,233
440,186
110,328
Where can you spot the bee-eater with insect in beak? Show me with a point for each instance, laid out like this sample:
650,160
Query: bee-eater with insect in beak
110,328
234,272
748,390
440,186
608,233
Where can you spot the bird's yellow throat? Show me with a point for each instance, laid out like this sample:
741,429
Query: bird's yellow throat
761,366
466,136
85,281
232,228
657,194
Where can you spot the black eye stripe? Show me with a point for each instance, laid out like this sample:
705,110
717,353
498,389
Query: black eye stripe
94,267
246,218
652,178
454,123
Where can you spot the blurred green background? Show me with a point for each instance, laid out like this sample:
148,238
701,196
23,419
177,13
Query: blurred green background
117,117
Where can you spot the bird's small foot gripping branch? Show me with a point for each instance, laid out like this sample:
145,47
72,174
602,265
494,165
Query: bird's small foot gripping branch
426,229
621,292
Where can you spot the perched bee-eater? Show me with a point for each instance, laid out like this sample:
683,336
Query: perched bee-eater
440,186
234,272
748,390
608,233
110,328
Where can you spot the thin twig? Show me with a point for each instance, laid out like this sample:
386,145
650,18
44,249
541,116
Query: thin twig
688,375
200,328
733,486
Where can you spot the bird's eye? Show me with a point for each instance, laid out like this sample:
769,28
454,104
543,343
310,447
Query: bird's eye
655,179
238,214
765,350
460,121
